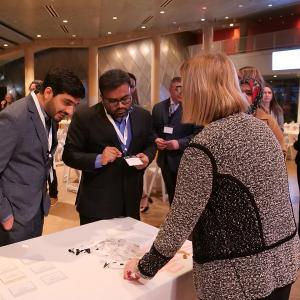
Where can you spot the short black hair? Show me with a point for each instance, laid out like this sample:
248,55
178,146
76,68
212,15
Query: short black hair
62,81
112,79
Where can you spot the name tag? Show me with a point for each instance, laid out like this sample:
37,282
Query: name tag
133,161
168,130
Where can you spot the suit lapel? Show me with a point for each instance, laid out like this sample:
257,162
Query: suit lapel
39,127
109,128
165,111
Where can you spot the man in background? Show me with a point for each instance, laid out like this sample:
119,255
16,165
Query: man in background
112,143
172,136
28,142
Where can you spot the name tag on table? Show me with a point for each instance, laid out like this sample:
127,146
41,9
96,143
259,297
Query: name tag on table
168,130
133,161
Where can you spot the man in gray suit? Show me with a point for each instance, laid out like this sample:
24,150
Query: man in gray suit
27,142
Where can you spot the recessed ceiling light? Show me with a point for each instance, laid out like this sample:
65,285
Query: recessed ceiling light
143,27
202,19
240,5
5,45
231,24
174,22
115,18
38,35
204,7
270,5
65,21
109,32
274,76
162,12
73,35
226,18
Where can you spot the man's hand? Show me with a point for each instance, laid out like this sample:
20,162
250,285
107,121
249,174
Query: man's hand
109,155
172,145
144,158
161,143
8,224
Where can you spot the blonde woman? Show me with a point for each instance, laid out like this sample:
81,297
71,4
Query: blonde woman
245,244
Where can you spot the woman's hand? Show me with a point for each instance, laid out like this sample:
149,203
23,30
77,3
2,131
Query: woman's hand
131,271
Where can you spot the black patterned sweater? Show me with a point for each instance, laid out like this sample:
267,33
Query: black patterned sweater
232,194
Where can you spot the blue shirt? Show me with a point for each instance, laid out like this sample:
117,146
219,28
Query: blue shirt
121,123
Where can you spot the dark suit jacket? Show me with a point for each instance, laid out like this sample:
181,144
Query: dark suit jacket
181,132
24,161
113,190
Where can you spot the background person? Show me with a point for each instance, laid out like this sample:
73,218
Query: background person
271,106
8,100
172,136
245,242
252,87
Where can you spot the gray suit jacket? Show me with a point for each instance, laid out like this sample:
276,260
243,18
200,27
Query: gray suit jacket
24,161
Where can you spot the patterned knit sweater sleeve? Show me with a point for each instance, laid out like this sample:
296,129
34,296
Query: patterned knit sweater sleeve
193,190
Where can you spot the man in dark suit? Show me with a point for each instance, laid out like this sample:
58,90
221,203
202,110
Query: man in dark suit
100,139
172,136
27,142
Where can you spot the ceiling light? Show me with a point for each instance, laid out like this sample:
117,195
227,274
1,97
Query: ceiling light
65,21
270,5
38,35
204,7
240,5
162,12
109,32
143,27
202,19
73,35
115,18
226,18
231,24
174,22
274,76
5,45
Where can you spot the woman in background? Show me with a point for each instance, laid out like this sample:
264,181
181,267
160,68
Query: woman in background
251,84
8,100
271,106
232,194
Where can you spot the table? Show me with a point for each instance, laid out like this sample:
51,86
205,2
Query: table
43,269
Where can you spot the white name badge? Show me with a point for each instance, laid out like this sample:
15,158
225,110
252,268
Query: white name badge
133,161
168,130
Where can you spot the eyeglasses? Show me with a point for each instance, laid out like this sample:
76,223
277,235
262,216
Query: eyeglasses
178,88
116,102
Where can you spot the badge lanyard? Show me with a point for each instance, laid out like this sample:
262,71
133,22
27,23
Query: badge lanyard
122,138
42,117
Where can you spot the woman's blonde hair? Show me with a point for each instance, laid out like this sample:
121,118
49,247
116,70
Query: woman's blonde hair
211,89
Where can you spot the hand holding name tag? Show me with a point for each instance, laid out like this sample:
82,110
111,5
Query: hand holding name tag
172,145
109,155
161,143
139,161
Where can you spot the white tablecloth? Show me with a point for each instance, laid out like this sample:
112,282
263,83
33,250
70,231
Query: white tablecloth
43,269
